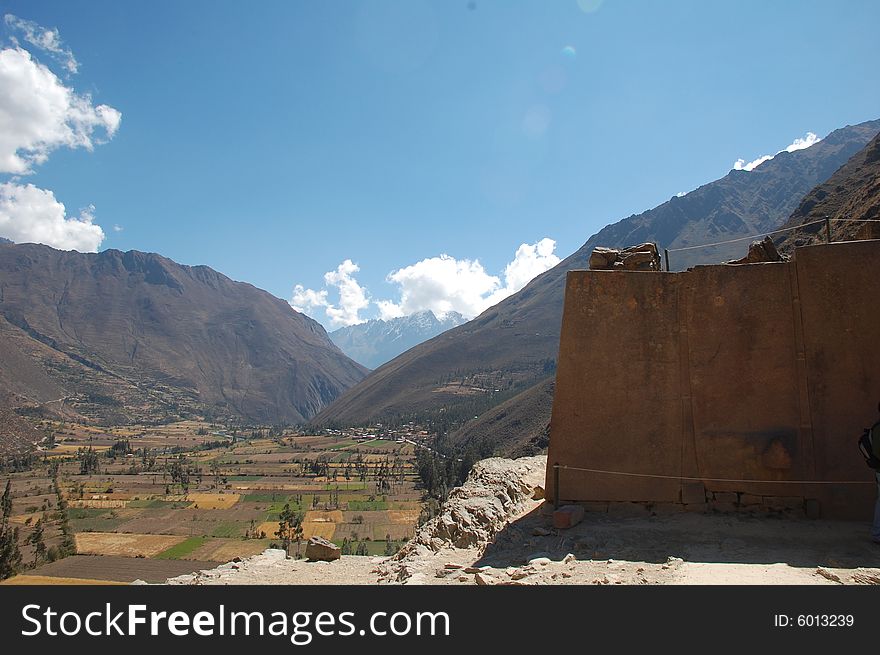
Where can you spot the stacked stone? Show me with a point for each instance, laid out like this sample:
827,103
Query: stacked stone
644,257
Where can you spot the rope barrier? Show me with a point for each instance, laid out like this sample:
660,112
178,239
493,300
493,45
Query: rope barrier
690,479
767,234
748,238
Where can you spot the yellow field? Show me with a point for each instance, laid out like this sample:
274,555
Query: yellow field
126,545
22,518
224,551
269,527
50,580
323,530
213,501
319,523
407,516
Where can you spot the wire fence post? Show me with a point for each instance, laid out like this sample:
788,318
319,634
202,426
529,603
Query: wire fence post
827,230
666,256
556,485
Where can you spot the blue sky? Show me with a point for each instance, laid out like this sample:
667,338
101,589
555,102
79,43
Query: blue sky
274,141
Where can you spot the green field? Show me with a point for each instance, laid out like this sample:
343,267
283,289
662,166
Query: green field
182,549
227,529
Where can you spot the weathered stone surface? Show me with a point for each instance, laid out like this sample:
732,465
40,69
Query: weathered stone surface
321,550
643,257
639,261
829,575
693,493
761,251
482,579
476,511
594,506
603,258
567,516
735,368
776,457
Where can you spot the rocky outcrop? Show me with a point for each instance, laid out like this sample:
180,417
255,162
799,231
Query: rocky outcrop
760,252
494,492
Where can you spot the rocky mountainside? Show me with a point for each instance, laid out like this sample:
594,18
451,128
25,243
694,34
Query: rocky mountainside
119,337
516,428
378,341
850,198
512,346
17,435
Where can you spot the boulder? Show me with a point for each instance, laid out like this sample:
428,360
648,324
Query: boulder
639,261
643,257
603,259
321,550
760,251
568,516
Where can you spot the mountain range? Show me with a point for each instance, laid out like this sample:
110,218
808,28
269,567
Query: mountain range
850,199
513,345
121,337
377,341
127,337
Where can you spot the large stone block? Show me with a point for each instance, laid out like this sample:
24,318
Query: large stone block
693,493
319,549
567,516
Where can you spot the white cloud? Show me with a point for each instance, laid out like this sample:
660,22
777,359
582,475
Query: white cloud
32,215
528,262
441,284
305,300
44,39
798,144
444,284
38,114
353,297
118,228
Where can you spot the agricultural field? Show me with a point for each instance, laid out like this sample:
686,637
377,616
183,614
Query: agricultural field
147,502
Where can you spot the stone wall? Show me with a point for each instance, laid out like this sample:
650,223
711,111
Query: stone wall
738,372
